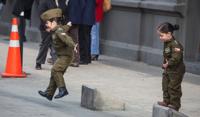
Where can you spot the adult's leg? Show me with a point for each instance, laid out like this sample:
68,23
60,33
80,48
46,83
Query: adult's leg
95,39
85,43
21,28
44,46
74,34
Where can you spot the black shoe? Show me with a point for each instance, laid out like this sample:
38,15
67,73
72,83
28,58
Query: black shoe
38,66
83,63
94,57
44,94
24,39
62,92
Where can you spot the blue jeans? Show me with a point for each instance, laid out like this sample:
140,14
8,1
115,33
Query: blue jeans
95,39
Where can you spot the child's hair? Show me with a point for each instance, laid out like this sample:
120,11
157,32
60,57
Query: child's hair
167,27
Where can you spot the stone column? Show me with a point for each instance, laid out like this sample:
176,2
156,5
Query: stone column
192,32
33,32
5,21
35,20
7,9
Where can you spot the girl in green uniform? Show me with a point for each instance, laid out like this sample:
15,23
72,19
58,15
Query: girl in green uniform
173,66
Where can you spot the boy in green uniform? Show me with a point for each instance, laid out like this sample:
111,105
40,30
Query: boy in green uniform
64,47
173,66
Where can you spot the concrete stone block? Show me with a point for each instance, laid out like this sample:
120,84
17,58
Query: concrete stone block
93,99
177,114
160,111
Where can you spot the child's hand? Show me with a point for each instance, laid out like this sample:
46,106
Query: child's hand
165,65
75,48
69,23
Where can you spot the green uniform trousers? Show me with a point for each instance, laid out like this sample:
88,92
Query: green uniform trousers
171,86
57,72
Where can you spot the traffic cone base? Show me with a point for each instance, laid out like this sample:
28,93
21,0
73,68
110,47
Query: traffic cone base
7,75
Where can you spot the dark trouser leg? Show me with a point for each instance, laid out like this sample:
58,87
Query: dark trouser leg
85,43
44,46
57,80
165,83
52,87
59,69
74,34
21,28
175,89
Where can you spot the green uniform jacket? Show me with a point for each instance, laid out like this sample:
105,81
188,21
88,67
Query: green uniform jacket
173,53
62,42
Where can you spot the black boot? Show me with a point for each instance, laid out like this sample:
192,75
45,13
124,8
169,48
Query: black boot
38,66
44,94
94,57
62,92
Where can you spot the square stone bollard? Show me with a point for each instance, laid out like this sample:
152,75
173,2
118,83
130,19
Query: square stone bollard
93,99
161,111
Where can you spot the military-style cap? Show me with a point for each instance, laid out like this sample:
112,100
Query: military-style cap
52,13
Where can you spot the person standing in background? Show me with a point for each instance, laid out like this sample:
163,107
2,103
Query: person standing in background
95,32
75,10
87,20
22,10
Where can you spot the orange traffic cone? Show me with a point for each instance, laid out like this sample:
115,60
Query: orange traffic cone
13,66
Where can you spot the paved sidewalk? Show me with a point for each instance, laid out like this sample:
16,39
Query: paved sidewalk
135,83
